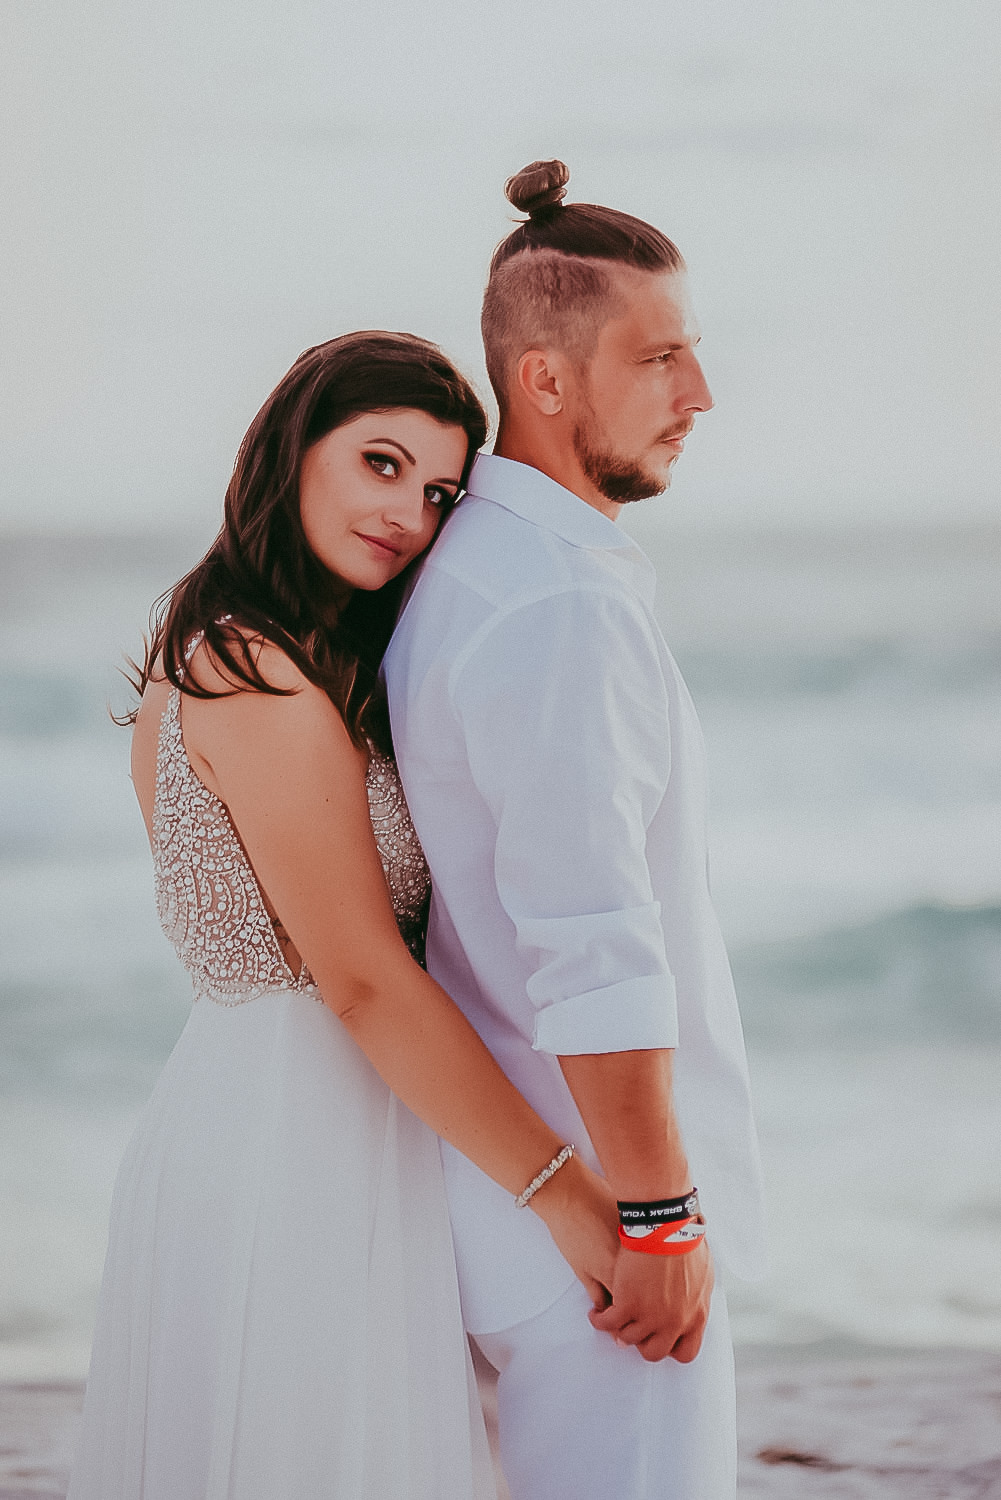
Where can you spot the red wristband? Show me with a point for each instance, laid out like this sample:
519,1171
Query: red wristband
679,1238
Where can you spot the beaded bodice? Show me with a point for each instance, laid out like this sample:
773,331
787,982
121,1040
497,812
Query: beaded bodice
208,899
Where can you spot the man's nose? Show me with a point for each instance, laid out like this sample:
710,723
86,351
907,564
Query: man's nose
696,395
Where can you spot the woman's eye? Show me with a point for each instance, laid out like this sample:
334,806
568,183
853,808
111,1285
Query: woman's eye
382,464
438,496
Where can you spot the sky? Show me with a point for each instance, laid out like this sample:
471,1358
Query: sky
196,190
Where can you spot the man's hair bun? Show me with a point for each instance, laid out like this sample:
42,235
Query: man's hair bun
539,188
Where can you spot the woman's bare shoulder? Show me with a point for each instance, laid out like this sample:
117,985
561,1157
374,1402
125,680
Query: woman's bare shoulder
276,667
245,721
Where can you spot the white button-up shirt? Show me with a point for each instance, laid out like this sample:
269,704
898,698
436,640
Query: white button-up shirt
554,768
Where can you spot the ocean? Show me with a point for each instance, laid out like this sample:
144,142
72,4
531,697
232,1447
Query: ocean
849,686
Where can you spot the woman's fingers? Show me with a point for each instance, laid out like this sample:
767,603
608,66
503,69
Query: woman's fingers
599,1294
601,1297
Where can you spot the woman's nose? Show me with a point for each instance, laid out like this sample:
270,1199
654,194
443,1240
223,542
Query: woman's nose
404,509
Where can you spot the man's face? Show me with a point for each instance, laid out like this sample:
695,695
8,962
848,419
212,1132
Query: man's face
638,398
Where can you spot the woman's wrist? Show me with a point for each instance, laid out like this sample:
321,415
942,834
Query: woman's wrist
556,1163
560,1190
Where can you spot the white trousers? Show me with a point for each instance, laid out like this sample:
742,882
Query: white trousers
582,1419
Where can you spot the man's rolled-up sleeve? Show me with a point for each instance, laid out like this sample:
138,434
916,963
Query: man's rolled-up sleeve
564,710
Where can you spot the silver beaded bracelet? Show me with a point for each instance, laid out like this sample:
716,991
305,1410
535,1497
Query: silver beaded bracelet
533,1187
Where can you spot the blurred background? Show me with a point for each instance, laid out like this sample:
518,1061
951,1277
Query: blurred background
192,193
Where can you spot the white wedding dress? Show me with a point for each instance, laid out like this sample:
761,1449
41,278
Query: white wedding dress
279,1316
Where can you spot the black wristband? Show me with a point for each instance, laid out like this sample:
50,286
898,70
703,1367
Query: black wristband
666,1211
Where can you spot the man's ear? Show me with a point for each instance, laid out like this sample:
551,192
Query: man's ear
540,377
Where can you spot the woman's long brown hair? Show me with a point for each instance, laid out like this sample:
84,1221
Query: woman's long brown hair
259,579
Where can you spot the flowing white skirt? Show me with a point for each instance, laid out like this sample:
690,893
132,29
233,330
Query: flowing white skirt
279,1317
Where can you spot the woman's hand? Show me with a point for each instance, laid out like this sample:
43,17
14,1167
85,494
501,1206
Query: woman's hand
579,1210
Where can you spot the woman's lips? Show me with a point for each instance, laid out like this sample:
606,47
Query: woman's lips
381,547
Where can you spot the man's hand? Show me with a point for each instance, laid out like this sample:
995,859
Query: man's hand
660,1303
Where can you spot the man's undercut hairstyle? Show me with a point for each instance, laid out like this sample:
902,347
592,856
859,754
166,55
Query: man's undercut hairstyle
549,282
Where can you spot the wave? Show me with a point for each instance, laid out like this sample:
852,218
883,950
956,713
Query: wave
865,666
924,973
46,704
51,704
104,1040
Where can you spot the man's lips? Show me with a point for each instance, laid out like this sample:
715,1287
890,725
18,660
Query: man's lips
675,440
383,547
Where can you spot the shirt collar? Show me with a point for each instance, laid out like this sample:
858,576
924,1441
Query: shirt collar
529,493
536,498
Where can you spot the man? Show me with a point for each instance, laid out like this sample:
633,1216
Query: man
553,765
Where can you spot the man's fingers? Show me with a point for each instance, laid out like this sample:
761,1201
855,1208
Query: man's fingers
655,1348
634,1335
654,1344
622,1326
629,1331
688,1345
610,1319
659,1345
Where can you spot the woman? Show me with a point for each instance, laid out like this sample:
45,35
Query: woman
279,1314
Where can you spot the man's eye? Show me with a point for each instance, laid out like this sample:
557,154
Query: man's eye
382,464
662,359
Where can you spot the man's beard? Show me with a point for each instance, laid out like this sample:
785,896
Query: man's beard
618,479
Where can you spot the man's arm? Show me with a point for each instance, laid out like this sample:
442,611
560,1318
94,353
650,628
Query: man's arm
564,710
659,1303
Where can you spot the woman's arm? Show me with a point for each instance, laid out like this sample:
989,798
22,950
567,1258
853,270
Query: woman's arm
294,784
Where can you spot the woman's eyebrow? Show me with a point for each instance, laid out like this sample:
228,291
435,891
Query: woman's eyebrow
392,443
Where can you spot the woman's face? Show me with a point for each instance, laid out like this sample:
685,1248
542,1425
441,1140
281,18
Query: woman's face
373,491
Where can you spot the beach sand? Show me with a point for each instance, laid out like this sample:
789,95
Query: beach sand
900,1426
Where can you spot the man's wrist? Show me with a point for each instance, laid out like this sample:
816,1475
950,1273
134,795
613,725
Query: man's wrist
651,1213
668,1226
652,1176
625,1099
